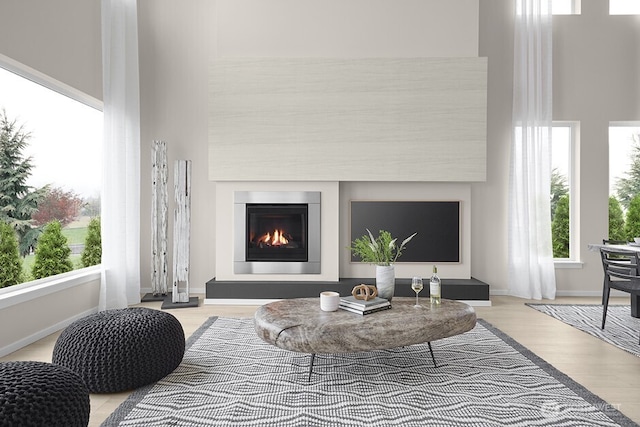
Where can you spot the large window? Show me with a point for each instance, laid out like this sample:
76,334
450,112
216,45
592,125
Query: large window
624,7
61,130
624,180
563,190
565,7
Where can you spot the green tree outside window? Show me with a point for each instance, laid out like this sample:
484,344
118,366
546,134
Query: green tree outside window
10,261
52,253
560,229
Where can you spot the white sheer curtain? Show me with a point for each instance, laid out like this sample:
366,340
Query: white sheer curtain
121,156
531,268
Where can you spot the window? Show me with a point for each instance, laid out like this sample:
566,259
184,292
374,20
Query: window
624,177
565,7
624,7
63,133
563,190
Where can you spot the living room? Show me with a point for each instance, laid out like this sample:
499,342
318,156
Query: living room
594,84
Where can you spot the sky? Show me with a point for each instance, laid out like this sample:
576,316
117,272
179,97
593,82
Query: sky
620,149
66,135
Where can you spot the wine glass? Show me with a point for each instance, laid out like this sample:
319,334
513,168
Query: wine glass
416,285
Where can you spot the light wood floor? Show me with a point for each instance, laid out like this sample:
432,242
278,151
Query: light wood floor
608,372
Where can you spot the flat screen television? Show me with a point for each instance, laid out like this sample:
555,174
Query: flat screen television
436,222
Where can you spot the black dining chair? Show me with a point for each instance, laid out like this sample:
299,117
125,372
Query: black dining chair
620,272
612,242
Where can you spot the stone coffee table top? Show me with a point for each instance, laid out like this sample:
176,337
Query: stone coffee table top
299,325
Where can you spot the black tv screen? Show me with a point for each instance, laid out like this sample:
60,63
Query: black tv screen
437,225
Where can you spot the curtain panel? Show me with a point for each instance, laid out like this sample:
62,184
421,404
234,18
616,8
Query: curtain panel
531,267
120,284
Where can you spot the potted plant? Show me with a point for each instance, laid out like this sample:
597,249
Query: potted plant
383,252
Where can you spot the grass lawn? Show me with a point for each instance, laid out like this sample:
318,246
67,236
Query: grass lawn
27,264
75,236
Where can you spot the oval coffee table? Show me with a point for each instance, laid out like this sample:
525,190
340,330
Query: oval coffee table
299,325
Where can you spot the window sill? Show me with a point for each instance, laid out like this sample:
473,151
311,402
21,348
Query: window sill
567,264
28,291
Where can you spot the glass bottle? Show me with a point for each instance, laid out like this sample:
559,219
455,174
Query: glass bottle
435,287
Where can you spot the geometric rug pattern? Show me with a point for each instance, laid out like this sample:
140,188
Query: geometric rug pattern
620,329
229,377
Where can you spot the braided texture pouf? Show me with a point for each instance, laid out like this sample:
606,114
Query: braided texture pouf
123,349
42,394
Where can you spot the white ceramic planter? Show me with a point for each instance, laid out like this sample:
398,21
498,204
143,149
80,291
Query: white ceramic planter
385,281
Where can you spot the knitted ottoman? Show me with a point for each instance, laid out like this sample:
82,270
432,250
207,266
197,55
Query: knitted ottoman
42,394
123,349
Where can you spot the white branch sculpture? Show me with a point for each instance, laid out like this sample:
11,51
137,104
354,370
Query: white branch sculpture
181,229
159,218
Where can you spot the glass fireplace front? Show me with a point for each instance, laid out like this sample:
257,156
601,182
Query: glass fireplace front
277,232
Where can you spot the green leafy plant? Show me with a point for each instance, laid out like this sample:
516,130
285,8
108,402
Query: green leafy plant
616,220
10,262
560,228
632,222
92,253
52,253
382,250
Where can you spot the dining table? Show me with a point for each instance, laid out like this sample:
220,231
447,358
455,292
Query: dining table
631,246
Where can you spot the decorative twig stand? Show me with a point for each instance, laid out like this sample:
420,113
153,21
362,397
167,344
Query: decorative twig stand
181,234
159,218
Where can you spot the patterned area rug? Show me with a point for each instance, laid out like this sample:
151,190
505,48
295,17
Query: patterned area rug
229,377
621,329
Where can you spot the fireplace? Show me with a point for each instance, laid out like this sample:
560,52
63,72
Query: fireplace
276,232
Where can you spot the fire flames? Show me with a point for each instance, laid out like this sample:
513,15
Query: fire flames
275,238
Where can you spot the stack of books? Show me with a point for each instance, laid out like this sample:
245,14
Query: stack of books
363,307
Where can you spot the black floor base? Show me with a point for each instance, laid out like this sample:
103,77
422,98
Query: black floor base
457,289
151,297
193,302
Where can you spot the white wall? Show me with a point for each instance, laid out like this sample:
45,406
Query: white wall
351,29
58,38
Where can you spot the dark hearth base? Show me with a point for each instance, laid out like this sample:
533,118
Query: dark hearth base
457,289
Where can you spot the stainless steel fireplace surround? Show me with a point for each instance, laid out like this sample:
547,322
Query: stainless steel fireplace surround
244,198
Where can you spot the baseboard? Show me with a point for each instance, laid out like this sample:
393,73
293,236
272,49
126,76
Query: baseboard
17,345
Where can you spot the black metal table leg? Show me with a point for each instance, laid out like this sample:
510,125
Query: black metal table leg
435,365
313,357
635,306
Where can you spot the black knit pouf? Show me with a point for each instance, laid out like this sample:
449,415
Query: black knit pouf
42,394
118,350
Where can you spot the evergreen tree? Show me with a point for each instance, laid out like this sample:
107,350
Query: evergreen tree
10,261
52,253
627,188
632,223
559,188
616,220
18,201
560,229
92,253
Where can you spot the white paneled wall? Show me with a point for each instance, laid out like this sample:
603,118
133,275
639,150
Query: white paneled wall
375,119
